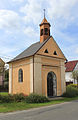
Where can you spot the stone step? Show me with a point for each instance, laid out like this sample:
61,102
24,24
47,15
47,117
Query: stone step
56,98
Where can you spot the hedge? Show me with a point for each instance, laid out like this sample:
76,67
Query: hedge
71,91
35,98
32,98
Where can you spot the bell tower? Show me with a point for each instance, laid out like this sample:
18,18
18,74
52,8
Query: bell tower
44,29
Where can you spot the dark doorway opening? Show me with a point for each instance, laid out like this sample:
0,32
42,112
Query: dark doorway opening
51,84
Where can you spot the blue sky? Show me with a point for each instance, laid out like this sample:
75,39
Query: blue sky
19,25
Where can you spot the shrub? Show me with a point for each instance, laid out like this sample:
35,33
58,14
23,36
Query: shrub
12,98
34,98
71,91
5,99
19,97
3,88
74,85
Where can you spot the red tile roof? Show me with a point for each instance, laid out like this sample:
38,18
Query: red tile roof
70,65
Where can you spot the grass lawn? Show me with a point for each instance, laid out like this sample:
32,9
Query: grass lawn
10,107
3,93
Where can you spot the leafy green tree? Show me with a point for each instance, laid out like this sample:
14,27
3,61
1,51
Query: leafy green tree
2,70
6,76
75,76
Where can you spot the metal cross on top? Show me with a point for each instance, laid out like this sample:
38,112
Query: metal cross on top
44,13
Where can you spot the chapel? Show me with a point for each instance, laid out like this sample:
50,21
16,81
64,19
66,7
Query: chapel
40,68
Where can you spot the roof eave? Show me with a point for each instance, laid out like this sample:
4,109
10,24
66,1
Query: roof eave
68,71
19,59
44,23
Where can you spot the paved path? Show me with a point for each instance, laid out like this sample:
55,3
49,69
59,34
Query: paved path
64,111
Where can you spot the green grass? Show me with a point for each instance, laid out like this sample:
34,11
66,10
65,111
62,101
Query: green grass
10,107
4,93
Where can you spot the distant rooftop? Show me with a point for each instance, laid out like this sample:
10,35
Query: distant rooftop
70,65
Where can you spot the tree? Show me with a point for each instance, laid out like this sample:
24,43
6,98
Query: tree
6,77
75,76
2,73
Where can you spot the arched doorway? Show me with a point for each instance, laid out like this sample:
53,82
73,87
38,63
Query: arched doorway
51,84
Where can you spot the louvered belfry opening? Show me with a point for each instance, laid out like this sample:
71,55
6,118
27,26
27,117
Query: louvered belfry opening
44,30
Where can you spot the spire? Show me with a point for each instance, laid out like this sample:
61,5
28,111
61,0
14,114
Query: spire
44,29
44,13
44,21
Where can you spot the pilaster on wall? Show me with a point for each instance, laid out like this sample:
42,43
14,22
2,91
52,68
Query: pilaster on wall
37,75
31,75
10,78
58,92
63,85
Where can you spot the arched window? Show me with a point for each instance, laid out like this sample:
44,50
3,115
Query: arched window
46,31
41,32
20,75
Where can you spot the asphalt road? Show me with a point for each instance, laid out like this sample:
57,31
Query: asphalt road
64,111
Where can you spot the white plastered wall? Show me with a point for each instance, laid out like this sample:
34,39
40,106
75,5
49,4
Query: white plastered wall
68,76
76,67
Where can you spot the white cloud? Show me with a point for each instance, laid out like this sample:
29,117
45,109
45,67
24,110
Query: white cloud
18,1
76,50
64,37
61,8
6,53
7,50
9,20
29,31
67,43
62,11
32,11
71,51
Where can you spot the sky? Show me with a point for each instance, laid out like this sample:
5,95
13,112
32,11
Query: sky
19,25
